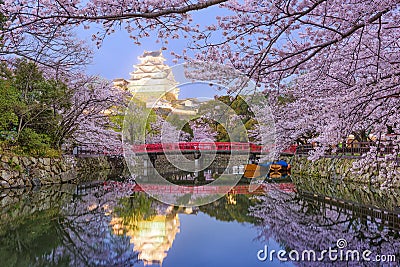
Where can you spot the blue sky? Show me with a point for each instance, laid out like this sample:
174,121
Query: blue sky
118,53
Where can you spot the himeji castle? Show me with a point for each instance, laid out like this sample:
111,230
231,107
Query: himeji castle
151,81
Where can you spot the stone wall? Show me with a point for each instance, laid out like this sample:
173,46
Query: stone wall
21,171
334,168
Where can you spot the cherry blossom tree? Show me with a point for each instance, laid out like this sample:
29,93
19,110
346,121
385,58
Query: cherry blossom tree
86,234
300,224
43,31
88,122
202,131
335,62
162,131
50,45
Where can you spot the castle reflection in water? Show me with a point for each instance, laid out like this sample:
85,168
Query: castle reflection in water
151,237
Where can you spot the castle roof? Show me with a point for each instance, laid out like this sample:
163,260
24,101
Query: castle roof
152,54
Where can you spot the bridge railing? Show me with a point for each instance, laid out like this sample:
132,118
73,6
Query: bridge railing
196,146
208,146
84,151
355,149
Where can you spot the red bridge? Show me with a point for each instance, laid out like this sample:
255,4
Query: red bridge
186,148
193,147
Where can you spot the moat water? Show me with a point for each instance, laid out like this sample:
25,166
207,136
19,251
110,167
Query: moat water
116,224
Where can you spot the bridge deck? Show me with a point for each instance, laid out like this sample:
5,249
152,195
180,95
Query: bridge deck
189,148
204,147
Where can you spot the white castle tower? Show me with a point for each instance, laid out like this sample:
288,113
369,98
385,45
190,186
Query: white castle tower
151,80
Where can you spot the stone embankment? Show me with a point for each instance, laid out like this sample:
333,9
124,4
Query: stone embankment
21,171
339,168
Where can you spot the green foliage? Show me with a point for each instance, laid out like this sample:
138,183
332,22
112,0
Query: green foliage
241,108
285,99
222,135
180,122
33,142
186,128
29,110
135,208
8,103
223,211
239,105
14,165
136,126
30,239
118,121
